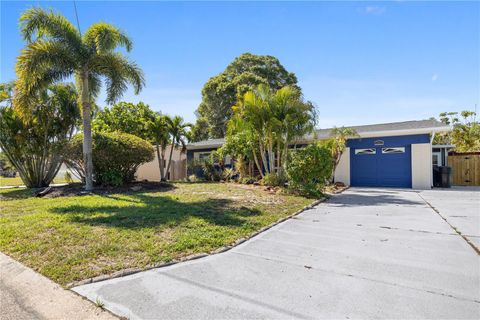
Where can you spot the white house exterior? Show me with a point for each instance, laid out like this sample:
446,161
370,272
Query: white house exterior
395,154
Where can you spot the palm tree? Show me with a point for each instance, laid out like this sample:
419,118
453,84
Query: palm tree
161,137
277,118
178,131
338,143
56,50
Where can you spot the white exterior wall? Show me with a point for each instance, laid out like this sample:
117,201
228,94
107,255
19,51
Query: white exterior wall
150,171
342,172
422,171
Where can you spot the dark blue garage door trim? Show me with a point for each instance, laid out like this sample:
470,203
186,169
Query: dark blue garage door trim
383,161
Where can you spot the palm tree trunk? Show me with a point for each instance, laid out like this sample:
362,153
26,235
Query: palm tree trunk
87,134
170,157
164,147
257,164
160,163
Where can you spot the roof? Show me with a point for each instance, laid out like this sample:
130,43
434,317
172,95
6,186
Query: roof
411,127
205,144
370,130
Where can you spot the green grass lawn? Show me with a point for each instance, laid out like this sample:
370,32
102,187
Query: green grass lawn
73,238
17,181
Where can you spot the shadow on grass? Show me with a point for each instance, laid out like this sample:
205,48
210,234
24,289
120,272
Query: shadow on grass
16,193
151,211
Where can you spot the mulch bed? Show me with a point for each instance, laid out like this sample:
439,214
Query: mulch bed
77,189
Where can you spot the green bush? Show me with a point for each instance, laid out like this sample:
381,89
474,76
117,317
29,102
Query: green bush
308,169
274,179
210,171
116,157
228,174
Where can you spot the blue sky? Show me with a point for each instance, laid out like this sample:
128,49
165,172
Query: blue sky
360,62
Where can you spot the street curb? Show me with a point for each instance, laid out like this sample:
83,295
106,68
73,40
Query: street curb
129,271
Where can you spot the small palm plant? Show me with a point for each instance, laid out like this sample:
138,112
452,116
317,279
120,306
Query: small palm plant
56,50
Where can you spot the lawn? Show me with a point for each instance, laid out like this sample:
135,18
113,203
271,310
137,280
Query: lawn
17,181
73,238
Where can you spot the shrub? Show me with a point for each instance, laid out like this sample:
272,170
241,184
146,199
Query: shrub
308,169
273,179
116,157
210,170
192,178
32,136
228,174
247,180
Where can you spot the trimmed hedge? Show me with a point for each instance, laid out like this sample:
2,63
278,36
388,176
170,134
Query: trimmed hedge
116,157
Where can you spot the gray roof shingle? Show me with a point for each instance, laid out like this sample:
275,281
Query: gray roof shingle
325,133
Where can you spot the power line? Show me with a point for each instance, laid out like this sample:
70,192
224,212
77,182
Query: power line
76,15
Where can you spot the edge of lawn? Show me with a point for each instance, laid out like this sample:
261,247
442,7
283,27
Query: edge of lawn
129,271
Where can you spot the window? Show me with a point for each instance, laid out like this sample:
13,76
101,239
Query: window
366,151
393,150
436,159
378,142
201,156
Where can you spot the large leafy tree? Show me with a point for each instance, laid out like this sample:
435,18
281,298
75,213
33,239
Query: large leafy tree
34,145
56,50
127,117
220,93
465,134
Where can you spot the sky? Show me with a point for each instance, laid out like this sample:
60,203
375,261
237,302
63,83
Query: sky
359,62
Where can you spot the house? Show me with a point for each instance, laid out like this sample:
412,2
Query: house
397,154
151,171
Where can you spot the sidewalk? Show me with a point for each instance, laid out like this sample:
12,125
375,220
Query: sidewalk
25,294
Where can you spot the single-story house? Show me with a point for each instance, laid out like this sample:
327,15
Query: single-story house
151,170
398,154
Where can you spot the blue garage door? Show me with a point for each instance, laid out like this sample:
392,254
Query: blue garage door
381,167
383,161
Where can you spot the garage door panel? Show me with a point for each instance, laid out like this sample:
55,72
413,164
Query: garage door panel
386,167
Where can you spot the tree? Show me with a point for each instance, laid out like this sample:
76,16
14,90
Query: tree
34,145
126,117
337,145
465,134
220,92
56,50
178,131
270,121
160,132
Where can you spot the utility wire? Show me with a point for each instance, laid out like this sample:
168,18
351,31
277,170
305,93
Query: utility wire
76,15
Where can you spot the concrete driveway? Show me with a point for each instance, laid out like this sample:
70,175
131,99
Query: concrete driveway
366,253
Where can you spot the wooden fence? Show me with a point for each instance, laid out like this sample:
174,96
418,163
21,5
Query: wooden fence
465,168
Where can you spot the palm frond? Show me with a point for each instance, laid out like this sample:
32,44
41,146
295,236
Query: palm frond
37,23
44,61
104,38
119,72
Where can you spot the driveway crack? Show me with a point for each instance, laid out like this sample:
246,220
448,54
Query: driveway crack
477,250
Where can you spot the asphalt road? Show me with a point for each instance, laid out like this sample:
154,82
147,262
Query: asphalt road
367,253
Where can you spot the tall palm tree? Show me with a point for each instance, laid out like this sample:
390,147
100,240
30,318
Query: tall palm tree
178,131
56,50
159,129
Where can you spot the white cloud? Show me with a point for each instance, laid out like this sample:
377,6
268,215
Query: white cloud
374,10
434,77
